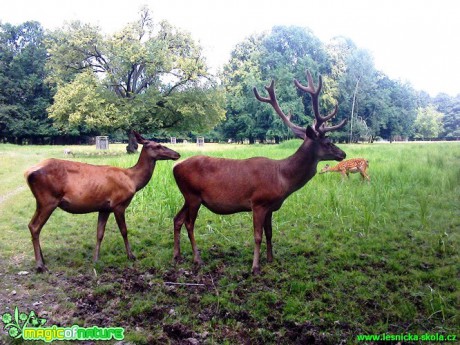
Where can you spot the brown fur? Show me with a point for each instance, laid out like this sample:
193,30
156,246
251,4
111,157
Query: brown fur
83,188
258,185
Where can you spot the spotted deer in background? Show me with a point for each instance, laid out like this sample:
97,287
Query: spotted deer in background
349,166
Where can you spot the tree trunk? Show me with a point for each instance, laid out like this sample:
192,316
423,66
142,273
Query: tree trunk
132,143
353,109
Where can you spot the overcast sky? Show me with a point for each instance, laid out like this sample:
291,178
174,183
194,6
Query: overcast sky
415,41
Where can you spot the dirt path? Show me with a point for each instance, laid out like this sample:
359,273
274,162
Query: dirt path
12,193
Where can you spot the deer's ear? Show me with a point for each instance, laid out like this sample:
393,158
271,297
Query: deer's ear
141,140
310,133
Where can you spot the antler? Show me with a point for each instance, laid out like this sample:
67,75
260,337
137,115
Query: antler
319,124
320,121
297,130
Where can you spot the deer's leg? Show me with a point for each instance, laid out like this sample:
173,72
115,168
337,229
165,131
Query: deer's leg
268,235
190,226
364,175
258,218
40,217
101,222
179,219
120,218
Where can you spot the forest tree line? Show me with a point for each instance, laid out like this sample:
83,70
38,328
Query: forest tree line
75,82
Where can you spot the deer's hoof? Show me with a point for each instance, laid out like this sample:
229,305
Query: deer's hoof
256,271
42,269
178,259
198,262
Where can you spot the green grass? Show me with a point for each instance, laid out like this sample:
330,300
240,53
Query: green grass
350,257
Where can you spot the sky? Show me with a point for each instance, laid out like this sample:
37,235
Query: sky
412,41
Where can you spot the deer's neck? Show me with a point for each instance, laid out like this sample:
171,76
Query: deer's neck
143,170
299,168
335,168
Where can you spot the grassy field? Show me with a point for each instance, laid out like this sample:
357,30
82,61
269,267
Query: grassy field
351,257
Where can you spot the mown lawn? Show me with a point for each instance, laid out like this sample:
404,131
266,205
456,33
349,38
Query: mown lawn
350,257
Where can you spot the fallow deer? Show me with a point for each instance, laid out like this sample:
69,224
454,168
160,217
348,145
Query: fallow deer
354,165
258,184
84,188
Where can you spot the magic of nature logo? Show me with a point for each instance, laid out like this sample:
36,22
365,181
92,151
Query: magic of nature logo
30,326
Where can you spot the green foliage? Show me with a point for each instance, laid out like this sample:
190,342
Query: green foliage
153,77
24,96
428,123
370,100
84,101
450,108
149,77
282,55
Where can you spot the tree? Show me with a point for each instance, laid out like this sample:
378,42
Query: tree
450,108
428,123
147,76
283,55
24,95
357,88
370,100
287,52
374,104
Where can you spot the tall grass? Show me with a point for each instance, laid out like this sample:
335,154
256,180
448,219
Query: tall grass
351,257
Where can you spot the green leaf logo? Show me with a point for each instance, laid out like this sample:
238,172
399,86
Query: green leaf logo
14,324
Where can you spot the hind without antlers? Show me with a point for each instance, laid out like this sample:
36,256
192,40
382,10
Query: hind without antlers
258,185
84,188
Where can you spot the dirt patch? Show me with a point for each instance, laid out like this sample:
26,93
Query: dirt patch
151,304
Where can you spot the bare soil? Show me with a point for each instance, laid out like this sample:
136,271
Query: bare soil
67,300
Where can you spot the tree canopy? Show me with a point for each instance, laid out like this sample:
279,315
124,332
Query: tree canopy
147,76
427,124
374,104
24,96
153,77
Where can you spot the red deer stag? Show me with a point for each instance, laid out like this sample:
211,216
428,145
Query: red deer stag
353,165
258,184
83,188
